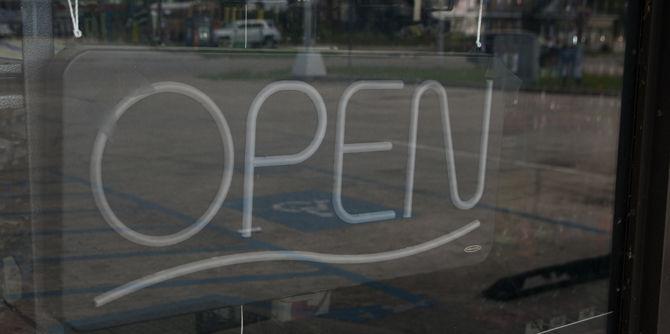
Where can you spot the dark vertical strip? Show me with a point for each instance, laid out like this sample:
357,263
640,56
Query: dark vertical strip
655,294
622,203
664,290
642,176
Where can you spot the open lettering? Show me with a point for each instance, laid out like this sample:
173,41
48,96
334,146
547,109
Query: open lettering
252,161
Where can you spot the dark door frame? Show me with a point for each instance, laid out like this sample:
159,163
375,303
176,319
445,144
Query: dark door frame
639,297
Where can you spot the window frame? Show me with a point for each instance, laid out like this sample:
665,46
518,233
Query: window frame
640,246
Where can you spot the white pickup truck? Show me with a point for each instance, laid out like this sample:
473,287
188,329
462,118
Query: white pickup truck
259,33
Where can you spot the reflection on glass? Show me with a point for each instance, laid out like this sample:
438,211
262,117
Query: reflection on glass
354,166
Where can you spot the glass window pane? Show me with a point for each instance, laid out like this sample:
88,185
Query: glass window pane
344,166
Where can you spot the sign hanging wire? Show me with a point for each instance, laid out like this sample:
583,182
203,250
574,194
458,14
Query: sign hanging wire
246,22
74,15
479,24
241,319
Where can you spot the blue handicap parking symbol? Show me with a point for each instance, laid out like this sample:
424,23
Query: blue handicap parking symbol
307,211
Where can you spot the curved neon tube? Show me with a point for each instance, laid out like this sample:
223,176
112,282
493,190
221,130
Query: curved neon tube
252,257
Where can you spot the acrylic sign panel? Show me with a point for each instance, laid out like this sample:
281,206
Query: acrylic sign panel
194,180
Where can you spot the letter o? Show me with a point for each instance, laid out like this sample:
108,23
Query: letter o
99,149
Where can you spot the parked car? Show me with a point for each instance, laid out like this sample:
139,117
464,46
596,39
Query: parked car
260,33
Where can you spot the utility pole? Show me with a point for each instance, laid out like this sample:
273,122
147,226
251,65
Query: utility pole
160,22
417,10
440,27
308,23
308,63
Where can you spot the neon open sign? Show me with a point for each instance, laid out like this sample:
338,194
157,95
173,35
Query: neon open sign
252,161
